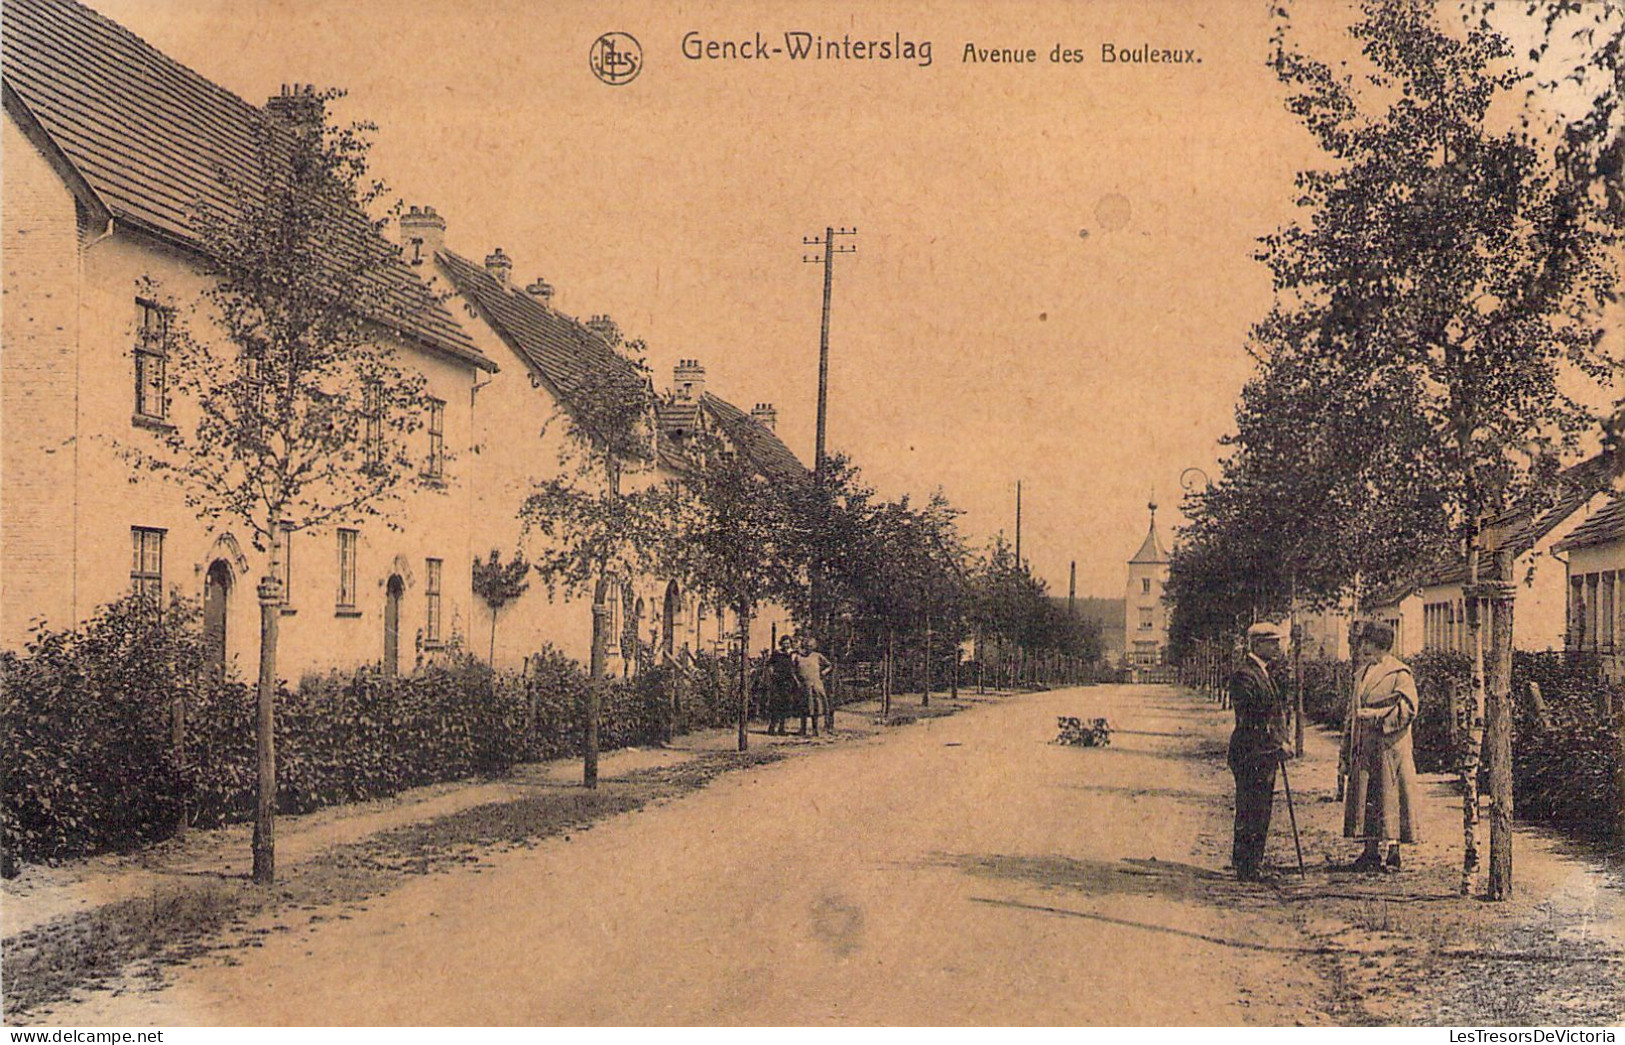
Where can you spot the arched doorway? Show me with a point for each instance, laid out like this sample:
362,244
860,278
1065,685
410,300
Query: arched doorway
669,617
216,604
392,624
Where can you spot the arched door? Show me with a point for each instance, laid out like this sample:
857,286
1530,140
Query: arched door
668,619
216,603
392,624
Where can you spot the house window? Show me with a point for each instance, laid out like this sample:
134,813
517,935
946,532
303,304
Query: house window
147,562
437,439
286,576
372,404
151,356
1145,618
348,539
431,593
1145,585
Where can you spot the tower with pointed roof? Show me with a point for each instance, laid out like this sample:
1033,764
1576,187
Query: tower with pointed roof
1145,622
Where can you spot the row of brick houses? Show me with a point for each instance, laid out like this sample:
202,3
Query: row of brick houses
108,146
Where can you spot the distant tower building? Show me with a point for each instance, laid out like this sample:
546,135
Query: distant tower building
1145,620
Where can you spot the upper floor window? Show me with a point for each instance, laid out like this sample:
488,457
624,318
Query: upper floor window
372,404
147,562
437,439
1145,618
1145,585
151,357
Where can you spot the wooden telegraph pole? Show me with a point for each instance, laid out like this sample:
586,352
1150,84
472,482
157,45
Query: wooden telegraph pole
820,466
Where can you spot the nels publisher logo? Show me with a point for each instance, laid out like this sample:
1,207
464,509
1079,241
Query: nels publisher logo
616,58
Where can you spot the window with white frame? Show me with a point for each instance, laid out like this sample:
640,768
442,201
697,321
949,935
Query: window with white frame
436,465
151,359
147,562
348,541
431,595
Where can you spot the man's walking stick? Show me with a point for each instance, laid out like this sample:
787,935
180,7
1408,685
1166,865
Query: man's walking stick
1293,817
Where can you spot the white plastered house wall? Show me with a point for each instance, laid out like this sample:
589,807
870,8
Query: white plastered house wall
72,500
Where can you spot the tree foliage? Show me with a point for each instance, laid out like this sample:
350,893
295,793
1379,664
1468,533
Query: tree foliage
308,417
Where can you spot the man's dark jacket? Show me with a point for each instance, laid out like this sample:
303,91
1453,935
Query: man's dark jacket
1263,720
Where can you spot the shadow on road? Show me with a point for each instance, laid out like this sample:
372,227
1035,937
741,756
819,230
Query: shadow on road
1244,945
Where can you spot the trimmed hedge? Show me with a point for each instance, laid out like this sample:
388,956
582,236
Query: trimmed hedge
87,731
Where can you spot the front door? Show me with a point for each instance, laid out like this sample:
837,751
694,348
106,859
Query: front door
392,625
216,599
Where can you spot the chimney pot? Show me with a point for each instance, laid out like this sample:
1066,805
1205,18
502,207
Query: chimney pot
499,266
766,416
688,380
542,291
423,232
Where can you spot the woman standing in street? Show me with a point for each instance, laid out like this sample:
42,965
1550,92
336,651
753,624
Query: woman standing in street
1377,807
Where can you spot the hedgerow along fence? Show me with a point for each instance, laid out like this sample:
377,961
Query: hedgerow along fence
115,734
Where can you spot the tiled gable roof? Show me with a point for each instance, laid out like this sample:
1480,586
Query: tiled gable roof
571,358
1606,526
759,444
150,138
755,440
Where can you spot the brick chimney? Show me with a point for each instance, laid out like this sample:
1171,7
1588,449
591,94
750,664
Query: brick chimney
542,291
766,416
298,107
423,232
499,266
688,381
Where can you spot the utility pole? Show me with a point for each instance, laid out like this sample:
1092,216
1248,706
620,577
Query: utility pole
820,466
1072,590
1018,525
828,261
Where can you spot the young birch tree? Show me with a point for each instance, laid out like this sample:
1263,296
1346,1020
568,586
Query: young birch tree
298,415
589,524
1455,266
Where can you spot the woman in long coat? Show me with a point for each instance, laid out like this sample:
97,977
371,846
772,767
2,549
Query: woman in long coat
1378,806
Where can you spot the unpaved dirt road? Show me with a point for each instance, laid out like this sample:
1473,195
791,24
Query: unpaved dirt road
959,870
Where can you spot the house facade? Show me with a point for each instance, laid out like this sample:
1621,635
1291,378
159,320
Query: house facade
109,146
1595,580
1430,615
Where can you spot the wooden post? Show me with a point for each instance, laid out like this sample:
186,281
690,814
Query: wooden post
597,665
744,676
925,697
1498,732
264,843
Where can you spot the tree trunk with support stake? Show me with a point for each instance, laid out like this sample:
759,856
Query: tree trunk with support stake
264,843
596,668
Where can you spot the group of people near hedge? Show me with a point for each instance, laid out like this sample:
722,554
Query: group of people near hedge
1381,772
795,685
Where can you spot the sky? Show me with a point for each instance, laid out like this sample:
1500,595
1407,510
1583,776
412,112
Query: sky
1054,275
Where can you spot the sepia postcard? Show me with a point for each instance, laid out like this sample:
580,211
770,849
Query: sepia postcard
802,514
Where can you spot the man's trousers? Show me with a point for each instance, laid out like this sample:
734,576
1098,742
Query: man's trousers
1255,794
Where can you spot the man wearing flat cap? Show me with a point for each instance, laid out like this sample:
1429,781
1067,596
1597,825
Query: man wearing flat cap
1261,740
